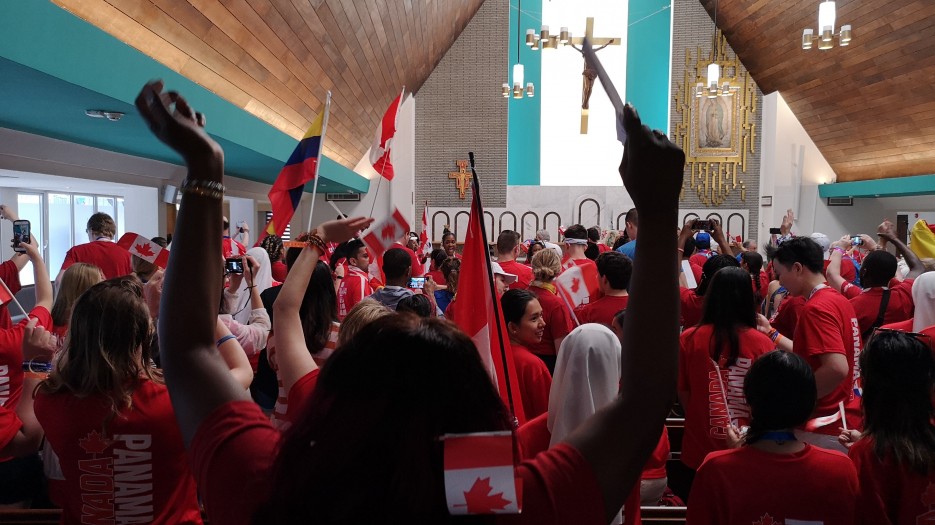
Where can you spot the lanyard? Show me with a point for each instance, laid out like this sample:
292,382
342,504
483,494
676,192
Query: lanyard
778,437
815,290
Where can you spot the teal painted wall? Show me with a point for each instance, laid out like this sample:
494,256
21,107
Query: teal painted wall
525,114
648,59
893,187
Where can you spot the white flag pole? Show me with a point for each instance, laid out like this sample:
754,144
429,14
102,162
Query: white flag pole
321,143
14,299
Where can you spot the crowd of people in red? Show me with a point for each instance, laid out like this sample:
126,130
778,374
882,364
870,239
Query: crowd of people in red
314,386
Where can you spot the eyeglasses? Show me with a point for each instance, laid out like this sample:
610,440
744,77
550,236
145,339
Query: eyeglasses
922,338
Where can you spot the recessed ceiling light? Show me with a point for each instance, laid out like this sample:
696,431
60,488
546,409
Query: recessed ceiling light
112,116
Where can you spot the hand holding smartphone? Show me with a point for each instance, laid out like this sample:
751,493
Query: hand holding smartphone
21,233
417,283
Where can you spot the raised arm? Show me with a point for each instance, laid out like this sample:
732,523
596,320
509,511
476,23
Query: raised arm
721,239
197,377
833,273
38,346
41,274
292,355
887,231
618,440
233,355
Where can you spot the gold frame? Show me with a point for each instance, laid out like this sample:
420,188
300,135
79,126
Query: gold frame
715,172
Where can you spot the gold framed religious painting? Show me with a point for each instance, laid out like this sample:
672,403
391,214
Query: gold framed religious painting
714,129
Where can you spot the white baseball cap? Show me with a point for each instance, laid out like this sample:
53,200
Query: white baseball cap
822,240
508,278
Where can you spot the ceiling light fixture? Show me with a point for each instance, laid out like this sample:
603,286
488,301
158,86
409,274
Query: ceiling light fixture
826,36
518,69
712,88
112,116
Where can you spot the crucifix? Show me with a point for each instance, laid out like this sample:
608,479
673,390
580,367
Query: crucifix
461,176
588,75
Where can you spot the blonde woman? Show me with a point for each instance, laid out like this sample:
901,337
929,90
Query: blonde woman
546,265
76,279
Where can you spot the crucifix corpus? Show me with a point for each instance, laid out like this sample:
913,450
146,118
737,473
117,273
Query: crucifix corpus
462,176
588,75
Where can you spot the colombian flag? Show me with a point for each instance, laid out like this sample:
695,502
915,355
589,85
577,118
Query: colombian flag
301,167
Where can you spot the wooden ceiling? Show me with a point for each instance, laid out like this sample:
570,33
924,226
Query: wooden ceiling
869,107
277,58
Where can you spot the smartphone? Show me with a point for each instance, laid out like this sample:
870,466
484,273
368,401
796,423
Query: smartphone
21,231
417,283
703,225
233,265
856,240
775,231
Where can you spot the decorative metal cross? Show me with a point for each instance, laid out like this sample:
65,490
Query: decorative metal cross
587,82
461,176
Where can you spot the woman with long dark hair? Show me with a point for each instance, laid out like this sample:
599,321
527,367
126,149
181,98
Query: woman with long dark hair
753,263
715,357
895,458
525,324
693,300
773,478
371,443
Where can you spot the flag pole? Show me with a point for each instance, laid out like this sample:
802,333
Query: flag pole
321,143
493,289
14,299
383,167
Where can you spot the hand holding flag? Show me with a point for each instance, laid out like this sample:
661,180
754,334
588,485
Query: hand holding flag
578,283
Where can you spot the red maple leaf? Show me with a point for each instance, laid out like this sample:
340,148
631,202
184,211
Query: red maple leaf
575,285
928,497
479,499
766,519
144,250
95,443
388,232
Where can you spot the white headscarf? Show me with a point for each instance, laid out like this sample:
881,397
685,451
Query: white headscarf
263,280
587,378
923,295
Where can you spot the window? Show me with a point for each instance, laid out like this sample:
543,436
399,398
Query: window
62,218
286,235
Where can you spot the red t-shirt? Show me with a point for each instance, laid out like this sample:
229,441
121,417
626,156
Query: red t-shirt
692,306
113,260
534,437
706,418
848,269
750,486
866,303
300,394
234,449
132,466
417,269
828,325
232,248
602,310
890,493
10,425
697,272
10,275
279,271
906,326
354,288
558,322
579,262
11,357
787,317
535,382
438,277
523,274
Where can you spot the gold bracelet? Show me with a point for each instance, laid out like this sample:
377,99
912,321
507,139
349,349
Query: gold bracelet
203,188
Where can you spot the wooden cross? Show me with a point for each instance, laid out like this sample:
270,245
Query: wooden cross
462,176
588,75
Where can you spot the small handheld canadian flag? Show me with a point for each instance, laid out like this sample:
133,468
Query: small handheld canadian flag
578,283
479,476
144,249
382,236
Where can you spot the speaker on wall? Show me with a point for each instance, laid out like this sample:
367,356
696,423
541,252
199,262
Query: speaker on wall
170,194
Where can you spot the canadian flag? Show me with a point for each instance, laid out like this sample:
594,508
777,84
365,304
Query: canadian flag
383,235
578,283
479,476
477,318
425,238
144,249
382,142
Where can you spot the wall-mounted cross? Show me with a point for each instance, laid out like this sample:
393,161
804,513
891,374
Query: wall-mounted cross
588,75
462,176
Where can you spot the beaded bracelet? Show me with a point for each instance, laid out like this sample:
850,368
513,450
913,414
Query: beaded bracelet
203,188
37,367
